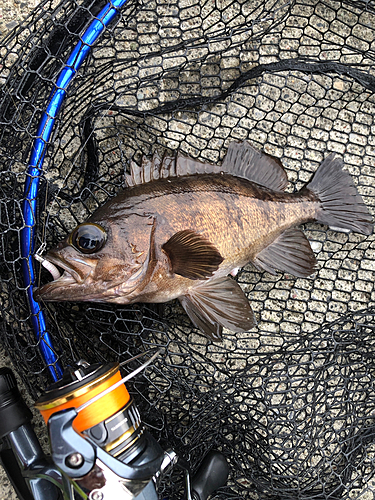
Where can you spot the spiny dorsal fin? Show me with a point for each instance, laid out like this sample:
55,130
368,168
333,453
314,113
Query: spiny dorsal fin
216,304
188,166
192,256
170,166
290,252
243,160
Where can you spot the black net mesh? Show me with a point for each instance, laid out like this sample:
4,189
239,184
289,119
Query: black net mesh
291,403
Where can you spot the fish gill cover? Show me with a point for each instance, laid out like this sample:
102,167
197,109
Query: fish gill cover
291,402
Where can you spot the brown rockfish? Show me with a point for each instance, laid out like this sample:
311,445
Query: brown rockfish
181,227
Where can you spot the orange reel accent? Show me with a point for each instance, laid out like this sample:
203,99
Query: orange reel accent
96,412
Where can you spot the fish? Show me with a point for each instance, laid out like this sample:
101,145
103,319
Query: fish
182,228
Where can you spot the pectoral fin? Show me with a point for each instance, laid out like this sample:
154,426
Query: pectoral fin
216,304
290,252
192,256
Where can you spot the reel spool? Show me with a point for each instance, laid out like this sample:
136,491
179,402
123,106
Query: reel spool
112,421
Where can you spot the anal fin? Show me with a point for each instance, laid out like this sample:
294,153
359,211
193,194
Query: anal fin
216,304
290,252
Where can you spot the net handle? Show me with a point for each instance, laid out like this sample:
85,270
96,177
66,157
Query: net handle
35,169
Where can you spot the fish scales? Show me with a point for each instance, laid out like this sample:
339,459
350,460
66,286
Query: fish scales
182,232
232,213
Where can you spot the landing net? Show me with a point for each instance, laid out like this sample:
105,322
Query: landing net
291,403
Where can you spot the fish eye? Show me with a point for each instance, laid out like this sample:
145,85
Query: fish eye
88,238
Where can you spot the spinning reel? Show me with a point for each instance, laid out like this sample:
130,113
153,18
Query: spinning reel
100,448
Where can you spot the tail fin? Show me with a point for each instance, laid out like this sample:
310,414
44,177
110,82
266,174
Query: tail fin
341,204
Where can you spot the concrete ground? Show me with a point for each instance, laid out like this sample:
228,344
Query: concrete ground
13,13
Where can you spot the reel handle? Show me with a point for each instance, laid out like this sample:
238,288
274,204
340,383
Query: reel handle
211,475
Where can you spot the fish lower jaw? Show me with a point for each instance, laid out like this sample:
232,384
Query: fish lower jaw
47,291
112,299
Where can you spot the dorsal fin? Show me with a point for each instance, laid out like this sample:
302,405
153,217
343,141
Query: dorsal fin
188,166
151,169
243,160
170,166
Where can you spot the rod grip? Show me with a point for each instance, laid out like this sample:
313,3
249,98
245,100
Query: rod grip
13,410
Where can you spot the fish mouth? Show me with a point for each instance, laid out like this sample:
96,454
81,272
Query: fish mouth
60,287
